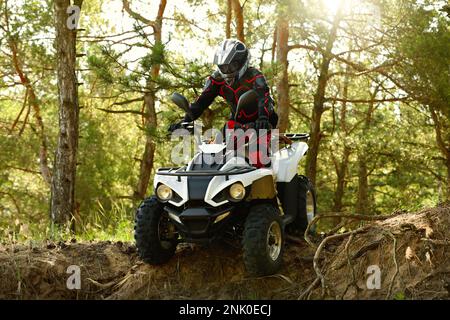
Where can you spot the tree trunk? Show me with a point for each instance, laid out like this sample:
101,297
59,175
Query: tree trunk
442,140
239,19
319,100
63,182
362,203
150,120
341,171
228,21
311,155
339,192
341,166
146,167
274,44
282,50
32,100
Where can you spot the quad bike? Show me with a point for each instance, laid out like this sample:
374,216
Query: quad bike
201,202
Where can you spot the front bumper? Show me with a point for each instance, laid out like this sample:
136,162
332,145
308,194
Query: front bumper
196,223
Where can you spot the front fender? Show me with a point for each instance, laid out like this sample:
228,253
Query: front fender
219,183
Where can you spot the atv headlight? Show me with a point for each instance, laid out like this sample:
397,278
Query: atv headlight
237,191
164,193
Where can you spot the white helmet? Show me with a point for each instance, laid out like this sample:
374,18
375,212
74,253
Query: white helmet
232,57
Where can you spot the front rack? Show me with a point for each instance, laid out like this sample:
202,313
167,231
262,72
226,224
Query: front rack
181,172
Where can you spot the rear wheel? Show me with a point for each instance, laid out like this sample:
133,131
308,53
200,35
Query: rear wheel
155,235
263,240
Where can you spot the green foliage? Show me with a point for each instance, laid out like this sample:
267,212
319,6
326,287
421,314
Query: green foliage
405,166
399,296
424,46
102,68
155,57
115,223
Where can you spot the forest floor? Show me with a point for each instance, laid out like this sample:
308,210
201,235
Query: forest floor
411,250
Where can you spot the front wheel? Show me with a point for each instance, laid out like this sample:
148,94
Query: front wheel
156,239
263,240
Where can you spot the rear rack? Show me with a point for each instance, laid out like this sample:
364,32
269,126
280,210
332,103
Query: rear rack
181,172
296,136
288,138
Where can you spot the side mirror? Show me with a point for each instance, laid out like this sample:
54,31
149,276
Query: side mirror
181,102
247,99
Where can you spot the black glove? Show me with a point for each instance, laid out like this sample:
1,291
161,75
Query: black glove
262,123
175,126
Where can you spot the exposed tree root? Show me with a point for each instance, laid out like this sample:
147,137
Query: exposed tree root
352,252
394,256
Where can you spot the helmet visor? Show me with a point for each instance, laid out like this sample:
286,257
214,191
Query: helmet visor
230,68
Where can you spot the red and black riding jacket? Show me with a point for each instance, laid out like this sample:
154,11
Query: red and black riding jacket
252,79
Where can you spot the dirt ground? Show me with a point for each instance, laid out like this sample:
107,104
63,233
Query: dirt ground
411,251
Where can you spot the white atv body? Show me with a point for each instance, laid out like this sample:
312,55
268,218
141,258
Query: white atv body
284,169
206,200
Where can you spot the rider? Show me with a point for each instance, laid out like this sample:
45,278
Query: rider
232,79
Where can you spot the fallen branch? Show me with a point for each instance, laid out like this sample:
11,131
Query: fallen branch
349,262
361,252
437,241
308,290
347,245
394,252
